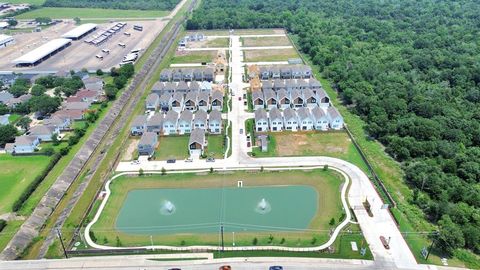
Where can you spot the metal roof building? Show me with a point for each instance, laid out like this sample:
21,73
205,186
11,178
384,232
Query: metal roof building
5,40
80,31
43,52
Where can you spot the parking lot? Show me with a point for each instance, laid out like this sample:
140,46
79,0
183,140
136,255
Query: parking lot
80,54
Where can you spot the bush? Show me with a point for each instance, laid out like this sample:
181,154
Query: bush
33,186
49,151
255,241
332,221
64,151
92,236
3,224
99,72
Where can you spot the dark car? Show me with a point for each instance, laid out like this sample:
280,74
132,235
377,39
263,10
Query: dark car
171,161
174,269
225,267
384,242
210,159
276,267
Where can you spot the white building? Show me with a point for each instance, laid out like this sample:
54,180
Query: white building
290,119
261,120
6,40
276,120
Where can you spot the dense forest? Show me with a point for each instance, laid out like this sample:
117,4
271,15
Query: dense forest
124,4
411,70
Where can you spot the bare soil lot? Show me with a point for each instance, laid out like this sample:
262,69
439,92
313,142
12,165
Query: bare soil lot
270,55
265,41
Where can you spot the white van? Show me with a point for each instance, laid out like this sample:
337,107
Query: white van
136,50
99,56
127,34
107,51
122,45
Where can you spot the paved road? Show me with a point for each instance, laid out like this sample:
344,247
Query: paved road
146,262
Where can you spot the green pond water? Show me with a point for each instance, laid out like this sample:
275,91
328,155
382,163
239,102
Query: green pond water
247,209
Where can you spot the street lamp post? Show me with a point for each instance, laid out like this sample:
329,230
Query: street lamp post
233,235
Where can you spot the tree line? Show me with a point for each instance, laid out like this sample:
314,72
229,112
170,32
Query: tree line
124,4
411,70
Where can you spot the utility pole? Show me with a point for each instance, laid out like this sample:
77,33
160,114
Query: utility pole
435,235
221,232
61,242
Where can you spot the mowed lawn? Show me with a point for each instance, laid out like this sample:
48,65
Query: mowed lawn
193,57
172,147
265,41
215,146
270,55
326,183
65,13
324,143
16,174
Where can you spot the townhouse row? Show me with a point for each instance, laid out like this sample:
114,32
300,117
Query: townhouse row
295,99
187,74
304,118
191,101
172,123
280,72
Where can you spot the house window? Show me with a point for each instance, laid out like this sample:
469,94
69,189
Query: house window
217,130
289,123
181,126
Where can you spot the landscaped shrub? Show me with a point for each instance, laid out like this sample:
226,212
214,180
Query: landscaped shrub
3,223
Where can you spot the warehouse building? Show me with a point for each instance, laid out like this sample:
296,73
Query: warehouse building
80,31
6,40
42,53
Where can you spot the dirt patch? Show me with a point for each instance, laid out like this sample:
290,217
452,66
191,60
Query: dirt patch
132,146
311,143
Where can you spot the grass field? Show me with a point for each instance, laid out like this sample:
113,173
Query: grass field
217,42
193,57
269,55
326,183
16,173
215,146
66,13
210,43
224,32
175,147
265,41
325,143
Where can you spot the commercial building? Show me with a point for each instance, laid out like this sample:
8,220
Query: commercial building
6,40
42,53
80,31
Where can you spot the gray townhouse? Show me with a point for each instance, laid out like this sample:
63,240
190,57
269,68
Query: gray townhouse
261,120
